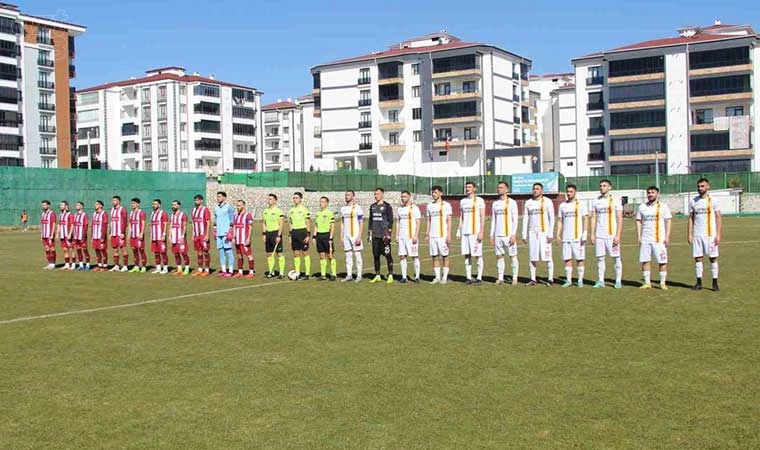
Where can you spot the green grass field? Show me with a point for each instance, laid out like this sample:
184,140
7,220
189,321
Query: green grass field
240,364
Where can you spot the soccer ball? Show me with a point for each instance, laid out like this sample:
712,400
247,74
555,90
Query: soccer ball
293,275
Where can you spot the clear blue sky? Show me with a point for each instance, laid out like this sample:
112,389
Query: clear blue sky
272,44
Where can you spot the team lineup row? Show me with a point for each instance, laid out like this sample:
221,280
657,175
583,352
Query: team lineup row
232,231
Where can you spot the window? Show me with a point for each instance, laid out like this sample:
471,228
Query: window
9,72
733,84
243,164
416,69
87,116
147,131
732,111
737,165
365,142
468,87
364,98
285,130
208,108
148,165
46,163
633,169
710,141
9,26
147,149
417,113
89,98
183,164
286,145
183,145
162,93
285,114
206,90
470,134
393,138
637,119
718,58
10,142
637,92
146,113
163,129
637,66
208,144
364,76
183,109
92,132
183,127
595,71
162,111
183,92
415,91
443,89
243,129
163,148
463,62
243,94
393,116
641,146
207,126
417,135
389,92
702,116
595,126
365,116
243,113
442,134
596,151
146,95
451,110
163,165
595,101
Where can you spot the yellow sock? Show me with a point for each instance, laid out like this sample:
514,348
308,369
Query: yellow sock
323,267
333,267
297,263
281,260
270,263
307,264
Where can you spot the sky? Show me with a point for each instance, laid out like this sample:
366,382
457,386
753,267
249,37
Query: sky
271,45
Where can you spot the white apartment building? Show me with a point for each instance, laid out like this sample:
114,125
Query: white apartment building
36,108
312,137
555,110
686,103
283,143
170,121
432,105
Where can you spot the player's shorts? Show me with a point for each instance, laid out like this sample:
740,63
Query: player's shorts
324,244
407,248
117,242
503,247
243,249
438,247
80,243
49,243
649,249
137,243
99,244
297,238
179,249
704,246
471,246
271,245
349,244
573,250
67,244
538,248
158,246
200,244
223,243
604,247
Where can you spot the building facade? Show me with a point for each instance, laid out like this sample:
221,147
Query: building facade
432,105
283,139
37,112
170,121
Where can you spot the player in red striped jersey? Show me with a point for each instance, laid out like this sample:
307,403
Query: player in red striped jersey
118,225
137,237
241,230
100,236
201,238
178,236
81,222
158,221
65,230
47,233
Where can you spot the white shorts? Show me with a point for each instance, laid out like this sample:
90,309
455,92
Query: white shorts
649,249
502,246
539,249
407,248
604,248
704,246
573,250
471,246
438,247
349,244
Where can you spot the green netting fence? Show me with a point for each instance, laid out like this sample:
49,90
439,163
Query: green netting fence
23,189
674,184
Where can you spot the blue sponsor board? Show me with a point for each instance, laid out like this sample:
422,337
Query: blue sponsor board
523,183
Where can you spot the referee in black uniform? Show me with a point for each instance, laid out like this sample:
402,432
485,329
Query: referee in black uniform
380,226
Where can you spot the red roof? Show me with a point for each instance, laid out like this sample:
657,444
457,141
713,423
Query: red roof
279,105
405,51
165,77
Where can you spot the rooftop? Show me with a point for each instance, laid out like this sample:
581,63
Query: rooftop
279,105
172,73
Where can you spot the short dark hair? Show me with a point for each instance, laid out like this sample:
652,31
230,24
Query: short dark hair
606,181
157,200
352,192
571,186
99,202
46,202
538,184
299,195
470,182
703,180
653,188
273,196
407,193
80,203
380,189
325,199
437,187
198,197
65,202
241,201
222,193
137,200
116,197
503,182
177,202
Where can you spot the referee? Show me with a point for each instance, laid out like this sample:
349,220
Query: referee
380,227
272,235
324,230
300,227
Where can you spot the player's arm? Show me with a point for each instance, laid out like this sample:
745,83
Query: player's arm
560,221
142,226
308,227
389,217
449,226
207,220
280,226
399,230
718,226
184,227
584,232
482,213
360,219
550,213
56,226
593,225
668,223
525,223
418,222
690,226
619,219
461,219
493,224
638,224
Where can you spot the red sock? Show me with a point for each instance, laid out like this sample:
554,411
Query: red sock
136,256
157,258
165,258
52,256
143,257
125,258
240,263
80,255
200,260
178,259
186,259
86,255
208,260
250,265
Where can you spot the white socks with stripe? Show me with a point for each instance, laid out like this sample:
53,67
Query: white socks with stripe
714,270
515,267
468,267
700,269
417,268
601,265
480,267
349,263
500,265
569,274
437,271
403,268
618,270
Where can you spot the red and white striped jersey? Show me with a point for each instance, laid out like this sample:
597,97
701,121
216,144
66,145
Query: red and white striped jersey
201,217
118,221
99,223
136,224
65,224
242,225
179,222
158,220
80,225
47,224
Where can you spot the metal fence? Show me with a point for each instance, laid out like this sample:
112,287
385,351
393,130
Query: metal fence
673,184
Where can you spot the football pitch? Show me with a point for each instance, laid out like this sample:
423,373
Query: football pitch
141,361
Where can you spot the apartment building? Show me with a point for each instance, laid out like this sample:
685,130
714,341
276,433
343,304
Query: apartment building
431,105
283,146
555,117
36,109
170,121
685,103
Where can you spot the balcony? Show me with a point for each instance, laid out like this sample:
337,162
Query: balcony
457,70
44,40
394,147
391,102
596,106
363,80
317,112
365,146
46,106
596,131
390,78
458,95
366,124
637,102
44,62
364,102
596,156
317,152
517,143
317,131
516,97
145,99
594,80
720,94
472,141
48,151
272,136
391,125
46,84
47,129
446,119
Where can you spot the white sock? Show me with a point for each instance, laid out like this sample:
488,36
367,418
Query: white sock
445,273
532,271
223,268
700,269
515,267
663,277
714,270
404,265
550,269
601,265
480,267
240,271
569,273
618,270
647,277
349,263
581,273
416,268
359,264
179,268
500,264
437,271
468,268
